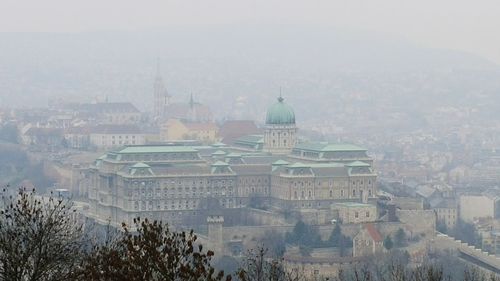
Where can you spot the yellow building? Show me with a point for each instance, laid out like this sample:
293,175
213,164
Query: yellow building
174,129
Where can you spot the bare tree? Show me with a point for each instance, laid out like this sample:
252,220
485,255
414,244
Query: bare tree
258,267
152,252
40,238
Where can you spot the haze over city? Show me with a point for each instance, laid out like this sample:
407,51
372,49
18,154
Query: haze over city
294,140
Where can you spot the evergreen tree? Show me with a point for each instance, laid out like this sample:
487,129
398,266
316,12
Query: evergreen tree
400,238
388,242
335,236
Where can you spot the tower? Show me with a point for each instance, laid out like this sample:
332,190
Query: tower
161,97
192,110
215,232
280,133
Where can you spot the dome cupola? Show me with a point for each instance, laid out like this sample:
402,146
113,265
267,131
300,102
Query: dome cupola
280,113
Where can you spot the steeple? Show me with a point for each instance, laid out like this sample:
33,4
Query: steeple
161,98
191,101
280,98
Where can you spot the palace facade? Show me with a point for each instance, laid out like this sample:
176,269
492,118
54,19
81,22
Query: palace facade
182,184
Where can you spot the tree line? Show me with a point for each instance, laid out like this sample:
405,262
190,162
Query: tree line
43,239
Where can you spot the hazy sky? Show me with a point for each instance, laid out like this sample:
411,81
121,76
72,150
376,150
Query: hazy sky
455,24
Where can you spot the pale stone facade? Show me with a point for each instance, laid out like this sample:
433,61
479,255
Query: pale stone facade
179,184
367,242
474,206
279,139
356,212
447,213
174,129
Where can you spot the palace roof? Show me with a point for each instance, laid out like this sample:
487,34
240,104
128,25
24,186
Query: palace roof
327,147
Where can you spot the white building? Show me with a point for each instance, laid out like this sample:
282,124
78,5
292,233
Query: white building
108,136
476,206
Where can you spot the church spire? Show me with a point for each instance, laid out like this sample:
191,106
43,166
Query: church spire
158,71
161,97
191,101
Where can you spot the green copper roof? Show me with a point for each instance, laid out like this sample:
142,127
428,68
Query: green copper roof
353,204
233,155
298,165
141,165
220,163
358,164
280,114
219,152
328,147
254,139
218,144
156,149
315,165
281,162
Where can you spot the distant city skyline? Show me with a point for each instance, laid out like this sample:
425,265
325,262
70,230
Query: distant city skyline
461,25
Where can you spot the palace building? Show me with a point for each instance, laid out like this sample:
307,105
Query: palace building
182,184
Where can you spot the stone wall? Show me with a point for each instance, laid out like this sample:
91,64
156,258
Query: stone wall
418,221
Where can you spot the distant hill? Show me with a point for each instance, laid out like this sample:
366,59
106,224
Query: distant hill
239,69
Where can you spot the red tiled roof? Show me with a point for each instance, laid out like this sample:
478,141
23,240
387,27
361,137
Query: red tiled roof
200,126
373,232
35,131
234,129
116,129
105,107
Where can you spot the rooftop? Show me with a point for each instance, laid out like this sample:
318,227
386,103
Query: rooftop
327,147
353,204
251,139
281,162
155,149
373,232
106,107
219,152
141,165
358,164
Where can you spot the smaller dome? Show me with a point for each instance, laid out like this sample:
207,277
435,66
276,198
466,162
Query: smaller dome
141,165
280,113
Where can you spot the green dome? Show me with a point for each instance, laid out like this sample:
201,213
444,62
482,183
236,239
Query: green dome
280,114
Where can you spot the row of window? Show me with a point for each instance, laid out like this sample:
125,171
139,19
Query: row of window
343,184
356,214
180,192
177,205
187,183
120,142
342,194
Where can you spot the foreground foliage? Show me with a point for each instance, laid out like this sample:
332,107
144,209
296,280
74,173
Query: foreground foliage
41,239
153,252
